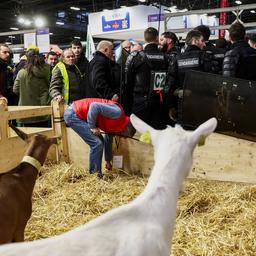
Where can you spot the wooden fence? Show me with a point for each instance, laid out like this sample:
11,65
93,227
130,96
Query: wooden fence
222,158
12,148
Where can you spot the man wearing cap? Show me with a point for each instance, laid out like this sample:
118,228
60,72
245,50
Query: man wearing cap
87,117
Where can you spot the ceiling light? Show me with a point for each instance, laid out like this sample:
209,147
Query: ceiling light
14,28
238,2
27,22
142,1
252,11
11,36
59,23
75,8
50,34
183,10
77,37
21,20
39,22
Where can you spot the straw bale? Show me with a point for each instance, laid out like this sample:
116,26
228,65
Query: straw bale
213,218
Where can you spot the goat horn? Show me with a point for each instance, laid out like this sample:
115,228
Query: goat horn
19,132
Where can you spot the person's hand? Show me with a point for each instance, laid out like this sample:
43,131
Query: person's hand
3,99
95,131
59,98
115,98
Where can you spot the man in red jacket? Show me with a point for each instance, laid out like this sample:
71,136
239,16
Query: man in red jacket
87,117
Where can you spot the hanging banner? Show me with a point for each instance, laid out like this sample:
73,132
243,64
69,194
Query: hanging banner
115,21
29,39
223,18
90,47
43,39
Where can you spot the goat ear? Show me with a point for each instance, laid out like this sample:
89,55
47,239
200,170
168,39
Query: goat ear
203,131
19,132
140,125
56,140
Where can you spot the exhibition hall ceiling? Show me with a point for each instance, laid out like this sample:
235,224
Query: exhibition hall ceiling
68,19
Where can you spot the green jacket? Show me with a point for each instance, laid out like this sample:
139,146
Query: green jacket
33,90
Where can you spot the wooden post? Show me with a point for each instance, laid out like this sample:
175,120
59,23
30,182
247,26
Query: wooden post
3,120
60,130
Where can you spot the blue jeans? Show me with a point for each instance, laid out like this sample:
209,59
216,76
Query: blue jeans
97,143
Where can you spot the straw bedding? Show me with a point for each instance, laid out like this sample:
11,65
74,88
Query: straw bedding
213,218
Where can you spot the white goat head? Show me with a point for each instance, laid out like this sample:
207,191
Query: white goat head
174,142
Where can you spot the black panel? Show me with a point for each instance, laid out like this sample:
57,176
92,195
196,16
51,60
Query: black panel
232,101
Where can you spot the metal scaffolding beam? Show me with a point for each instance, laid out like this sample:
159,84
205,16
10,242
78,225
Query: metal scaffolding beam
237,10
18,32
180,30
216,10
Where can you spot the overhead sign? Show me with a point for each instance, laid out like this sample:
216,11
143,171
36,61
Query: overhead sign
155,17
29,39
115,21
43,39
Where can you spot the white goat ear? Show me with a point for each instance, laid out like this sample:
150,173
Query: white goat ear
203,130
140,125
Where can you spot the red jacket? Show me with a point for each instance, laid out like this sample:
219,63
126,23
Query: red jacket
81,107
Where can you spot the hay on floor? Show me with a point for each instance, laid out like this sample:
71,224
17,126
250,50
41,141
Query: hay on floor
213,218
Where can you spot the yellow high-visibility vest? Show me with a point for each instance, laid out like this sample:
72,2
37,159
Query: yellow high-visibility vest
64,73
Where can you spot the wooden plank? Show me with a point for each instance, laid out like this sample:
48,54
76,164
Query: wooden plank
32,130
60,130
11,152
222,158
17,112
3,120
137,156
226,158
13,149
78,149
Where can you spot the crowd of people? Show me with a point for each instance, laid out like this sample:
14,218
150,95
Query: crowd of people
145,80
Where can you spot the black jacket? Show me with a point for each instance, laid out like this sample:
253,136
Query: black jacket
6,83
101,83
139,96
193,58
240,61
172,53
83,64
3,78
217,53
139,66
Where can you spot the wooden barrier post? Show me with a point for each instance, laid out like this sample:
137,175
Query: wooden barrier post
60,130
3,120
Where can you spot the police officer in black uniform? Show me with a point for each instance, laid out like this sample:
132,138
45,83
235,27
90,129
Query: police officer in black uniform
240,61
168,44
218,54
193,58
145,82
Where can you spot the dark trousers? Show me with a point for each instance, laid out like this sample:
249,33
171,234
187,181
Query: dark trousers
153,112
